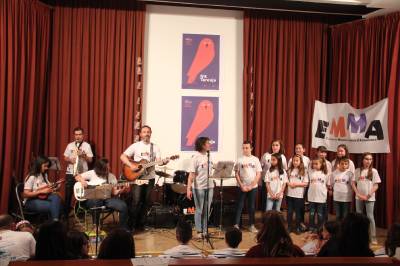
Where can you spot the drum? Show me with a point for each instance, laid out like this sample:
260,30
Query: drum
180,182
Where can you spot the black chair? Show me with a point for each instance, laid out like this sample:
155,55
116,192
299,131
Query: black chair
25,214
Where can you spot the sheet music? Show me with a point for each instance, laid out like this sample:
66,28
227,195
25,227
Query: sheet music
145,261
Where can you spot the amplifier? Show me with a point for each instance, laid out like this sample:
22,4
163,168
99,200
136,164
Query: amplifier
228,214
162,217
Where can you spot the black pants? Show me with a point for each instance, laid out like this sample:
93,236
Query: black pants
69,190
295,205
139,203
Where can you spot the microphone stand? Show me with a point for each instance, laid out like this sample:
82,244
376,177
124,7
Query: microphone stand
206,237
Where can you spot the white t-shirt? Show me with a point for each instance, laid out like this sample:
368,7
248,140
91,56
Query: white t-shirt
306,162
183,251
228,253
20,245
293,176
141,151
341,181
198,166
276,181
35,182
248,167
364,185
328,166
82,165
95,180
317,190
352,168
266,162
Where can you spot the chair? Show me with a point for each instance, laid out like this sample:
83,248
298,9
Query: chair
81,208
23,213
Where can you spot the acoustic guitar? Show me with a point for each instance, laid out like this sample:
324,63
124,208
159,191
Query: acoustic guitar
54,185
144,168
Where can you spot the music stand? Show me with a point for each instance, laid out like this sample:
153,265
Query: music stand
222,171
55,164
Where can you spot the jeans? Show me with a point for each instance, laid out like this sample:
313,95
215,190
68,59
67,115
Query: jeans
251,202
200,218
317,209
369,208
114,204
51,205
69,190
273,204
341,209
295,205
140,196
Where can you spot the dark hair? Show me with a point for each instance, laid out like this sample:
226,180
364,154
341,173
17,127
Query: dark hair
6,220
35,168
324,168
369,175
51,242
392,240
200,141
343,146
354,236
274,238
78,129
281,148
322,149
119,244
101,168
183,232
279,167
248,142
333,228
302,170
233,237
75,242
144,126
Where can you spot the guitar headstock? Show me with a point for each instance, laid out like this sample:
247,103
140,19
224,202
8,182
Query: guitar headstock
174,157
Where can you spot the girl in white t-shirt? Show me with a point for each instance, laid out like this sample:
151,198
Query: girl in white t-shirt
298,180
317,192
300,150
275,180
342,152
342,192
365,184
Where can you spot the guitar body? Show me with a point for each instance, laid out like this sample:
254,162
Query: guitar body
43,196
133,175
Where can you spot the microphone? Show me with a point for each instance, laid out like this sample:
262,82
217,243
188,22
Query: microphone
211,141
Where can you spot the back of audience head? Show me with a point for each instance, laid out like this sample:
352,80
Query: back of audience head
51,242
183,232
119,244
233,237
78,244
393,240
330,229
24,226
272,233
6,222
354,236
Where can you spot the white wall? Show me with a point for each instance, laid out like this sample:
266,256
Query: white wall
162,76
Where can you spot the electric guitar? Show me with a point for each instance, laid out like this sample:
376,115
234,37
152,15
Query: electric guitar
144,168
79,189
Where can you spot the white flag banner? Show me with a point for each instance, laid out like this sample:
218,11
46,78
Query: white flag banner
362,130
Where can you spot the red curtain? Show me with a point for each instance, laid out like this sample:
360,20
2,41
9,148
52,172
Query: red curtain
24,53
284,73
365,68
93,77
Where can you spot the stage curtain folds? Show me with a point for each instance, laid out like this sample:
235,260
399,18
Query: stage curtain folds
365,68
24,52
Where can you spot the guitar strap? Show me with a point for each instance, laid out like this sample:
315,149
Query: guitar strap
151,152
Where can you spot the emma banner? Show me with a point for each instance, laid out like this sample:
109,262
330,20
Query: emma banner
362,130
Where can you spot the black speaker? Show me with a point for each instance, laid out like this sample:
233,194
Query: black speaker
228,214
162,217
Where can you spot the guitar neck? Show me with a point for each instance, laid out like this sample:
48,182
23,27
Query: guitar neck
151,164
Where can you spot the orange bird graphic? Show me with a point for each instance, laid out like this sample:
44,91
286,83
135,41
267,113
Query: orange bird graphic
203,118
204,56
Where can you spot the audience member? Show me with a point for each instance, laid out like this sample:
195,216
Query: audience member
52,242
119,244
78,245
233,237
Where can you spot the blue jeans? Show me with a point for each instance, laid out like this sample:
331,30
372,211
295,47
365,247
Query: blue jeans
251,202
369,209
273,204
51,205
114,204
295,205
341,209
200,218
317,209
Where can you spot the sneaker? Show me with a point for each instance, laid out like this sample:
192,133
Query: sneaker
236,226
253,229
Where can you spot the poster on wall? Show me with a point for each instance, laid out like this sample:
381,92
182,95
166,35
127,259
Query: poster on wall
362,130
200,61
199,118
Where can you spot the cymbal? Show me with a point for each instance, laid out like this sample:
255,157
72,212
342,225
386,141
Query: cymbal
163,174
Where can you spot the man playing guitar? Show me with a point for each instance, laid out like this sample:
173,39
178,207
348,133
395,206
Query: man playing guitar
138,151
77,154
